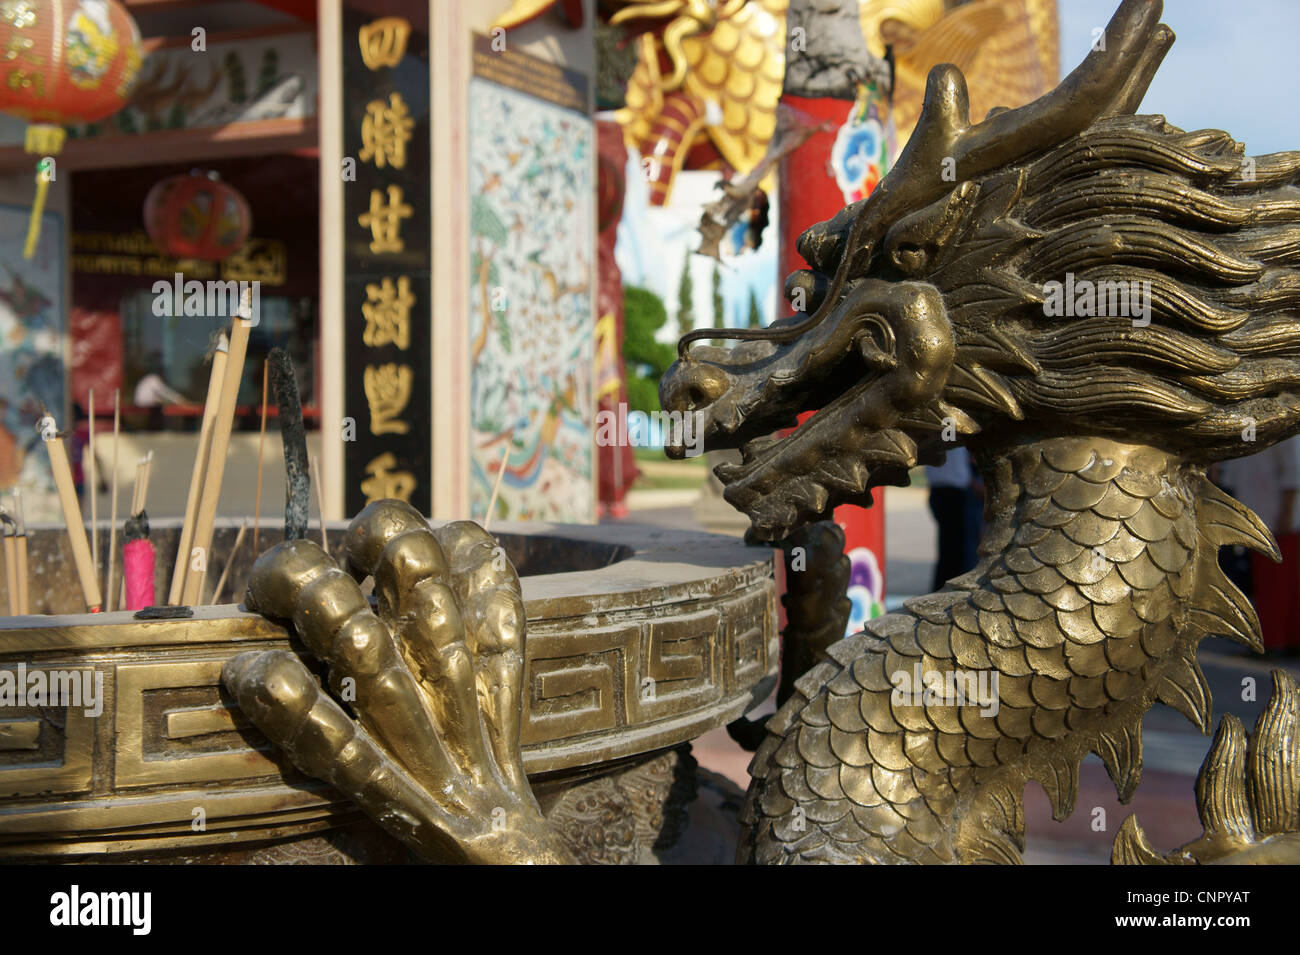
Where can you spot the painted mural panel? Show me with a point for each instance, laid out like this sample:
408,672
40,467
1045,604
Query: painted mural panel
228,81
532,238
31,356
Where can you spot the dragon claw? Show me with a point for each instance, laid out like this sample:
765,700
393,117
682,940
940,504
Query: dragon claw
432,675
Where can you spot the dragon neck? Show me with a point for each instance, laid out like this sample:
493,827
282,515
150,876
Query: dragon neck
1089,506
1098,576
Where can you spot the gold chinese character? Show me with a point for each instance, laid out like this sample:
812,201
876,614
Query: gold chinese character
383,42
385,221
385,482
388,314
385,132
388,389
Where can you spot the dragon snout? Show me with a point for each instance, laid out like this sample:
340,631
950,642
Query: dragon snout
690,385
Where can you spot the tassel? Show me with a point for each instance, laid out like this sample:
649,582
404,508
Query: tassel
47,141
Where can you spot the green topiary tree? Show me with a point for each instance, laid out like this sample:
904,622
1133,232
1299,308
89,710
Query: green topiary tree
686,299
646,358
718,305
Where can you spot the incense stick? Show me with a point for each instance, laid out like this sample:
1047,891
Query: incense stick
11,562
139,490
320,502
112,522
216,466
293,437
62,471
135,486
261,443
91,477
23,606
148,474
496,488
230,562
184,553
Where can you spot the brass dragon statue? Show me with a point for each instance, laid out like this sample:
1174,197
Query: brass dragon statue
934,317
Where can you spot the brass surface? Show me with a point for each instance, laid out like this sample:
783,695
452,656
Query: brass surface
911,742
932,323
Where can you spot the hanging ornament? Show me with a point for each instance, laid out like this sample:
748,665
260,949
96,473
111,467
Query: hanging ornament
63,61
196,217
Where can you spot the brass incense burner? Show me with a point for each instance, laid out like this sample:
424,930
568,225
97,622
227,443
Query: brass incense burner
638,641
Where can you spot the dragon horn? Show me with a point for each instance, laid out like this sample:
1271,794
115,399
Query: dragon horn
1110,81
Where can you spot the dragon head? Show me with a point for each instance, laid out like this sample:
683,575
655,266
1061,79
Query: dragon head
949,306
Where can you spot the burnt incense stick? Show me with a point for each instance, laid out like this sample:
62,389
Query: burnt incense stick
297,488
11,561
138,562
62,471
112,521
136,483
184,553
216,466
148,473
261,445
139,492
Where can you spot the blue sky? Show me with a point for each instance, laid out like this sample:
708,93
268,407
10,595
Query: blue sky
1234,66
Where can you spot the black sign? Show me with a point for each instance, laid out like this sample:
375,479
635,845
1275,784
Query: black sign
386,253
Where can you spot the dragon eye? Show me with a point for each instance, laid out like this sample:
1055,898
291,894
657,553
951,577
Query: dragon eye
876,343
910,257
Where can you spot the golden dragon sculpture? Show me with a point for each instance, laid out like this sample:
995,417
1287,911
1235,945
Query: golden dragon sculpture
935,318
713,73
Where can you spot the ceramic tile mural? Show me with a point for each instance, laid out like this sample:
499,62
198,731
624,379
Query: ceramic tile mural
531,243
31,355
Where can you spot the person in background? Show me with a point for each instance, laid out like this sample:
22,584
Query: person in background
1268,483
955,504
152,392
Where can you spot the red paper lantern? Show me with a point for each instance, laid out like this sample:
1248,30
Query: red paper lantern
196,217
73,61
63,61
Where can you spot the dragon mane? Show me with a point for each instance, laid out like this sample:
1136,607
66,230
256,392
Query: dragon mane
1212,238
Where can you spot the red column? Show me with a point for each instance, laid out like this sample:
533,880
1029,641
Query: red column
817,180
